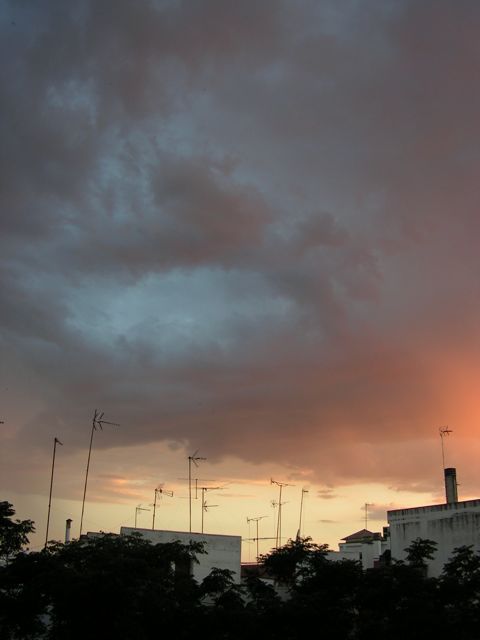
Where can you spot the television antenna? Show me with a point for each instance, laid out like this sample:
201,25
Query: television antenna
205,506
280,503
274,504
257,520
299,533
55,442
97,423
193,458
159,491
366,505
137,511
444,431
196,481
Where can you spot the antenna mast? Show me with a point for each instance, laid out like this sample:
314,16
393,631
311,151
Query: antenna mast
159,490
299,534
279,521
97,423
444,431
205,506
137,509
55,442
257,521
367,504
193,458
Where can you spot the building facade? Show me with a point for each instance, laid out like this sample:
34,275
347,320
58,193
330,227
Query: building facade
221,551
450,525
364,546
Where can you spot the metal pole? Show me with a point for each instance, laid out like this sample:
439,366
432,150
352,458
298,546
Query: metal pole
97,421
203,504
51,487
86,474
190,491
154,508
257,539
301,511
279,523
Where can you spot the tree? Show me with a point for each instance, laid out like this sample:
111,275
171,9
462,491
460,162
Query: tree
296,558
419,551
460,592
110,587
13,533
220,587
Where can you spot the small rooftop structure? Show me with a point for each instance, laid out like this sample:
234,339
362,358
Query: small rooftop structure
364,535
363,546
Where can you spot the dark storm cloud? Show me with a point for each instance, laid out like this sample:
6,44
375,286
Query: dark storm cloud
234,221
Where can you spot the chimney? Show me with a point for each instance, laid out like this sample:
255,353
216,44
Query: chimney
67,530
451,485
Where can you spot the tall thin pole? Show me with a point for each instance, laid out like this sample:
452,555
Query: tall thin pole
274,507
279,521
154,508
367,504
86,475
444,431
137,509
161,491
257,521
97,423
55,442
304,491
190,492
204,503
193,458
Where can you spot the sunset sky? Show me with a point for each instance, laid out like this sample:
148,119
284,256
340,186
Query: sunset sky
246,228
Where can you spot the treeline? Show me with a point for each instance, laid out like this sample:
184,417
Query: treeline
123,587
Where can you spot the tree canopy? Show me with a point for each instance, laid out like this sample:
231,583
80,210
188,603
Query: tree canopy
13,533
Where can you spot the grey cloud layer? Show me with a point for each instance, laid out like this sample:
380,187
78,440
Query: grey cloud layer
226,220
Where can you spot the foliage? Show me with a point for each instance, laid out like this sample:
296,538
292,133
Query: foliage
419,551
261,596
13,533
460,591
294,560
220,587
121,586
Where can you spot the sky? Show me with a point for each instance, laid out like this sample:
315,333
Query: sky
248,229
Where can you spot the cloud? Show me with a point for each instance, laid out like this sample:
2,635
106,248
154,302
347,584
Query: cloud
246,227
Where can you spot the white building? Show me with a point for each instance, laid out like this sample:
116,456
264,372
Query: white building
222,552
364,546
450,525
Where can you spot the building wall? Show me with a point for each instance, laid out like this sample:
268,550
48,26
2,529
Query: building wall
222,551
366,552
449,525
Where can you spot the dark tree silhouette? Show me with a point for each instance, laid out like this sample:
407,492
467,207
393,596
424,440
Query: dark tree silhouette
13,533
460,592
420,551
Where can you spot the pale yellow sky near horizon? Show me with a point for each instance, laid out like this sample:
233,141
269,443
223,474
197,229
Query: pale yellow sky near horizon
329,513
